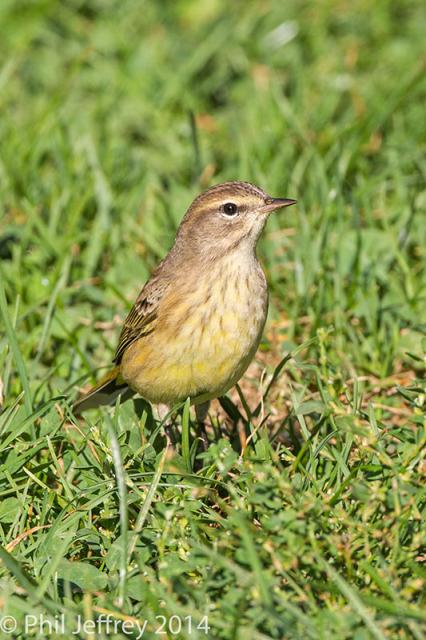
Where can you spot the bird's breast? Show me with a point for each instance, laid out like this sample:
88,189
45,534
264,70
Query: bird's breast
207,332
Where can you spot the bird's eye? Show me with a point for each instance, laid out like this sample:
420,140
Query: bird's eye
230,208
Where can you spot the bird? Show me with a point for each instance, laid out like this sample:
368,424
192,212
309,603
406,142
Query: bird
197,322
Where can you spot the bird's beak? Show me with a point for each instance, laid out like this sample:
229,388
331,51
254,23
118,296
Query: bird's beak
276,203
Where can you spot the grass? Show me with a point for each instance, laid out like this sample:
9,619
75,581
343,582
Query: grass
113,116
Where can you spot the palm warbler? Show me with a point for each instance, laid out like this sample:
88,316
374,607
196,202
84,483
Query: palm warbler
197,322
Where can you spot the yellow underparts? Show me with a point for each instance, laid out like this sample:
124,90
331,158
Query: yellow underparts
203,341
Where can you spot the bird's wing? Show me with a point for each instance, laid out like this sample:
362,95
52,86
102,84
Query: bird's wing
142,317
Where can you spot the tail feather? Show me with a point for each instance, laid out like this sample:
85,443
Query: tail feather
105,392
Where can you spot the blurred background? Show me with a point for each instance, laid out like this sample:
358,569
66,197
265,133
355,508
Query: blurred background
116,114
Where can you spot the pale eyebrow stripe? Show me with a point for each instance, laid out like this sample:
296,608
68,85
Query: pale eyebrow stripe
238,198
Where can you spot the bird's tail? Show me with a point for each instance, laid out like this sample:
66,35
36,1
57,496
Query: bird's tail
104,392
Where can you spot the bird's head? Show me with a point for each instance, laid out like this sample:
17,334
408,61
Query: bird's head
226,216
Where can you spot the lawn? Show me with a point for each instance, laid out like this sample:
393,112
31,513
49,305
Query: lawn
114,115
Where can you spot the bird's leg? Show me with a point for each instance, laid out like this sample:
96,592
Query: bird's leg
201,411
168,424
